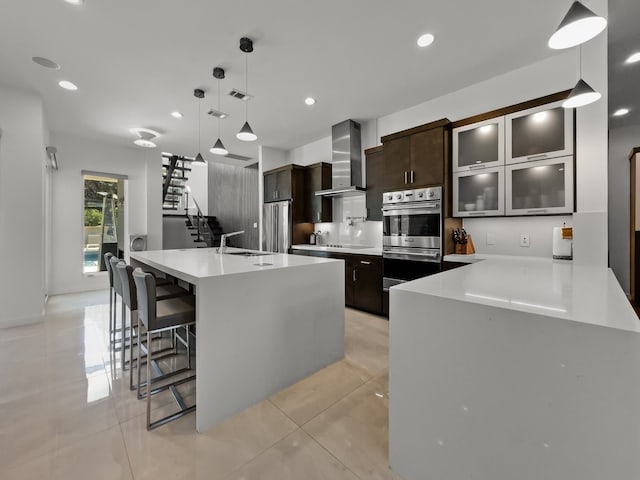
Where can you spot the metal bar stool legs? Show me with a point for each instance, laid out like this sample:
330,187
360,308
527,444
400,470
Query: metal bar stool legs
159,316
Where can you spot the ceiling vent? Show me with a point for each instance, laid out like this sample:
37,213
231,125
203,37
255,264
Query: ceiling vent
238,157
217,113
235,93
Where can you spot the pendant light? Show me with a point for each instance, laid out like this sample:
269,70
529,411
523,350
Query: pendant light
218,147
246,133
578,26
199,94
582,94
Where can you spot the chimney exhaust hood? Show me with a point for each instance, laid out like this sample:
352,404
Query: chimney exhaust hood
346,161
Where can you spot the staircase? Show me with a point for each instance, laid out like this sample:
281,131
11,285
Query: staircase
205,231
174,180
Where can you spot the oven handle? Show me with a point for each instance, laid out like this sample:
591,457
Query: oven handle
411,211
430,205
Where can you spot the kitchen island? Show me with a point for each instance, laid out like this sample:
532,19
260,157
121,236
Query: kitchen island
263,322
514,367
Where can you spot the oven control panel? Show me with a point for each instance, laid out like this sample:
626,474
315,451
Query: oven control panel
415,195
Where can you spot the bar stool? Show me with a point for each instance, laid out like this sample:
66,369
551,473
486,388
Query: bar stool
158,316
117,288
129,299
112,296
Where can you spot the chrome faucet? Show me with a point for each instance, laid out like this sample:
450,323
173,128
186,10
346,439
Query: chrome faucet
223,240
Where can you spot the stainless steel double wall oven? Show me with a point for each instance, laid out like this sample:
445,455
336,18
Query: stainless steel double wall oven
412,234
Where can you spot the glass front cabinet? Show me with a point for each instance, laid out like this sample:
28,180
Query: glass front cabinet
479,193
543,187
539,133
479,145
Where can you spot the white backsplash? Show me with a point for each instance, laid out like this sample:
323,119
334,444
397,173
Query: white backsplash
355,232
360,233
504,234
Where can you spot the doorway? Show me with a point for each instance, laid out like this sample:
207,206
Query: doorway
103,220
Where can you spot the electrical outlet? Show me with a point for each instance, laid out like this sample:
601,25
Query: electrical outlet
524,240
491,238
255,224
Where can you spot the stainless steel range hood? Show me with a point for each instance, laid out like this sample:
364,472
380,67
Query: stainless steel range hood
346,153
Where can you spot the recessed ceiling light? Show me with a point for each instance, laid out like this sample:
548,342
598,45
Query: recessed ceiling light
176,115
75,2
633,58
309,100
425,40
620,112
141,142
67,85
45,62
145,136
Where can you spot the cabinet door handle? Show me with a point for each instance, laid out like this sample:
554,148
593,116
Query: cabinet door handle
405,178
538,210
475,167
318,216
412,176
536,157
364,262
354,274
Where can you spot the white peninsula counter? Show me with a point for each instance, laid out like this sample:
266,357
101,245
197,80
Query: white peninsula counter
262,322
514,368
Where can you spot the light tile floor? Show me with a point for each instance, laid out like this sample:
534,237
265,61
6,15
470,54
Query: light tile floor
66,411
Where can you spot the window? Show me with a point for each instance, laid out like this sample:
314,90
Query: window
103,220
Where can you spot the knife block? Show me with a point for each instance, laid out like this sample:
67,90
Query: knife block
465,248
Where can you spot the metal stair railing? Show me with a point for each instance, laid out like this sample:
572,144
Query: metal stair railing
197,220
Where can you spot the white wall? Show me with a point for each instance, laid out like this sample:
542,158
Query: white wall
199,184
506,234
143,207
621,142
22,229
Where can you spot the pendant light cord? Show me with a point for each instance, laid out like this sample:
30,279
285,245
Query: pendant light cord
219,107
199,143
580,60
246,84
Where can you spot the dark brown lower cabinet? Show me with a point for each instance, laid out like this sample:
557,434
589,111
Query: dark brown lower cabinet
362,279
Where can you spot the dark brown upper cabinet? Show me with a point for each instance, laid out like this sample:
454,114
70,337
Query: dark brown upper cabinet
416,157
277,184
376,181
318,209
287,183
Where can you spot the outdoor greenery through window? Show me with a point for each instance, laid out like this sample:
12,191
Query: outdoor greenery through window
103,220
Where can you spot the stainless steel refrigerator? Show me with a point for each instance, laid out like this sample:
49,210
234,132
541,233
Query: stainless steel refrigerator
276,227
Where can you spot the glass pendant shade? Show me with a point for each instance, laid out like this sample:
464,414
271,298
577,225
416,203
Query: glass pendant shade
581,95
246,133
218,148
578,26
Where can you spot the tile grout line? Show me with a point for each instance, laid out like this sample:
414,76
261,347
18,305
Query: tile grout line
261,452
330,453
126,451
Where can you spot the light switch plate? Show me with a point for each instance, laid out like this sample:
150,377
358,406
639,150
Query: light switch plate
491,238
524,240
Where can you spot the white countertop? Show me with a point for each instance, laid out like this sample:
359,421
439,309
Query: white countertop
352,249
196,263
541,286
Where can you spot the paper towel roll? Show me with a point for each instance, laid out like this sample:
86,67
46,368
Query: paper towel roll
562,249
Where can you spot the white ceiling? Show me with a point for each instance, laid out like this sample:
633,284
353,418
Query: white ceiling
136,61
